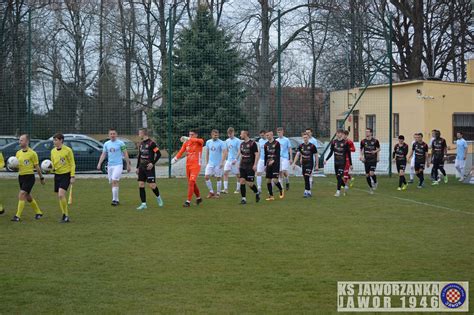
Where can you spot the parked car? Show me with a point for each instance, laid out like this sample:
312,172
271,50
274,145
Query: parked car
132,147
4,140
77,136
86,155
10,150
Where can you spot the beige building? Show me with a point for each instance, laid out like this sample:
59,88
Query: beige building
418,106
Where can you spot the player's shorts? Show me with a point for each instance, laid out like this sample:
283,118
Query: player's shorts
234,169
247,173
438,161
114,172
370,166
339,169
62,181
284,164
347,168
307,169
145,175
272,171
261,166
401,165
26,182
212,170
419,166
192,172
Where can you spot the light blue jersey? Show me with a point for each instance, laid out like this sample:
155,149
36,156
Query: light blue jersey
114,151
232,148
461,146
215,148
285,145
313,141
261,145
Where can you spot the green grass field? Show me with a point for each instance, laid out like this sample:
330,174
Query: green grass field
274,257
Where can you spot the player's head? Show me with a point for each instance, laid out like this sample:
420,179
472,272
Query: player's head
262,133
112,134
346,134
24,141
193,133
58,140
280,131
309,131
369,132
305,137
215,134
401,139
340,133
269,135
244,135
419,137
433,133
143,133
437,134
231,132
459,134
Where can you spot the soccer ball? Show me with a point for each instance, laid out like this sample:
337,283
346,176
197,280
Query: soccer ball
12,163
47,166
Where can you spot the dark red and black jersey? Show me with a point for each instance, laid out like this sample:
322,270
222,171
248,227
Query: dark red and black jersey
369,147
400,152
148,152
247,152
438,147
307,152
341,151
272,152
420,150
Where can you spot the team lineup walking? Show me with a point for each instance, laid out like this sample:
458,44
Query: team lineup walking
245,158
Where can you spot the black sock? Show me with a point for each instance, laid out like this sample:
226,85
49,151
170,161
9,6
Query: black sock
279,186
254,188
156,191
404,180
369,181
374,177
142,194
421,177
442,171
243,190
340,181
270,189
307,186
400,181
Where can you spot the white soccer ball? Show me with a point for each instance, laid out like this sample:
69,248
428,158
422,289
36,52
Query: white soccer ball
12,163
46,166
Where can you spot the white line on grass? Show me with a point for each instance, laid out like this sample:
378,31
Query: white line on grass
414,201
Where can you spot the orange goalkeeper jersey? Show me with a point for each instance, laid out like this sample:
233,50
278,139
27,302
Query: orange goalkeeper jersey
193,148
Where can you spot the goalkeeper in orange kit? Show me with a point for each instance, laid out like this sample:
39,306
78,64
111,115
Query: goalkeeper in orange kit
192,145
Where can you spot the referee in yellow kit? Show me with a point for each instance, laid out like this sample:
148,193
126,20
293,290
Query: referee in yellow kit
64,169
27,163
2,165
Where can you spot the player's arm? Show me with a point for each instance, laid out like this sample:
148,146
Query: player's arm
102,157
362,157
393,152
349,155
127,160
377,150
257,156
465,152
331,152
297,155
207,154
198,140
38,168
224,155
427,155
316,158
72,165
180,153
290,150
156,154
265,157
410,154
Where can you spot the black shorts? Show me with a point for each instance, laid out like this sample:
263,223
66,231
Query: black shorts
62,181
370,166
339,169
438,161
272,171
419,166
307,169
145,175
247,173
26,182
401,165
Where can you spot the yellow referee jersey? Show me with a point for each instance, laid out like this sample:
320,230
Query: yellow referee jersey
27,159
63,160
2,161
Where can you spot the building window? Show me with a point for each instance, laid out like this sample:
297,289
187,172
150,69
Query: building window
370,122
463,122
340,124
396,125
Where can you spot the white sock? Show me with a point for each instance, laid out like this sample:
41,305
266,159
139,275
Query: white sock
219,186
237,187
287,179
209,185
311,181
412,174
115,193
226,184
259,182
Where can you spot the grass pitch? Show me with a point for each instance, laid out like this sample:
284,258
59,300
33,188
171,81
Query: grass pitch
274,257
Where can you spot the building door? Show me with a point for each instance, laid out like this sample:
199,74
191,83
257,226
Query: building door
355,123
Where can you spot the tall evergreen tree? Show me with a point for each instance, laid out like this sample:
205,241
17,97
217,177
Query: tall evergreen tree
207,93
